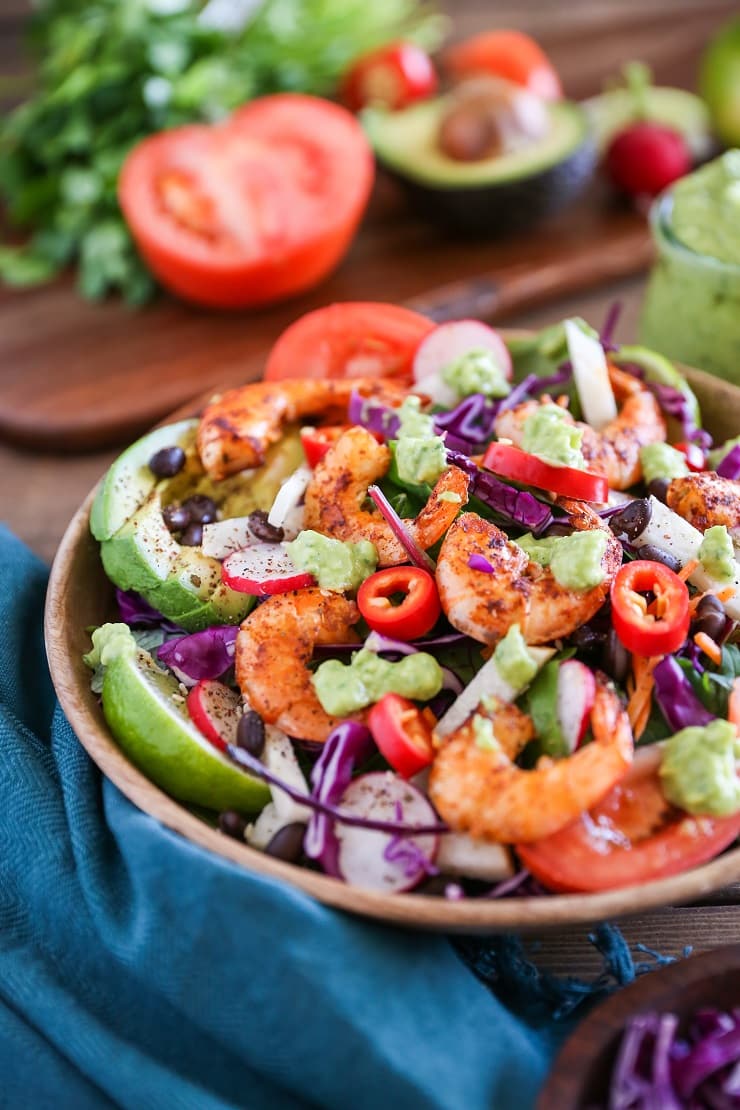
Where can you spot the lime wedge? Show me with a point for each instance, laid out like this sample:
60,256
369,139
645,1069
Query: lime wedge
146,712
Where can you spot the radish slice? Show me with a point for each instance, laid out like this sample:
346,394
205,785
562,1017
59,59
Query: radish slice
460,854
488,681
375,860
215,709
591,376
576,692
263,569
287,510
447,343
224,536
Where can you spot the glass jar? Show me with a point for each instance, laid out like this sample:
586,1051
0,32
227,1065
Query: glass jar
692,305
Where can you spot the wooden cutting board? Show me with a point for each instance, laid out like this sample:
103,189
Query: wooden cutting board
78,376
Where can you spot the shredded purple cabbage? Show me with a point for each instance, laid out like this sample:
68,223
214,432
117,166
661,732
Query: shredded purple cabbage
657,1070
674,404
518,506
730,465
676,699
140,614
472,419
414,863
349,744
201,655
253,766
480,562
373,415
418,557
606,337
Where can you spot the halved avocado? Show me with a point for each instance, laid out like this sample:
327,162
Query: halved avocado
492,195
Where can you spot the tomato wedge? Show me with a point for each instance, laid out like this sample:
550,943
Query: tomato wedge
511,462
695,459
633,836
508,54
354,339
403,734
251,210
641,631
415,614
394,76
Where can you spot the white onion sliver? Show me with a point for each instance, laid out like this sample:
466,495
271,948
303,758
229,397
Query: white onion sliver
288,499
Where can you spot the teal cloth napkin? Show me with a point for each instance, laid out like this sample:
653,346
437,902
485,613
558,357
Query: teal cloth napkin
140,971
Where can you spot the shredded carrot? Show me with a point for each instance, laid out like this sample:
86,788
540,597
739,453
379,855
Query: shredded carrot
689,569
709,647
733,711
726,594
638,706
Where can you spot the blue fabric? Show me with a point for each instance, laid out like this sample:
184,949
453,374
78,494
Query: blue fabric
137,970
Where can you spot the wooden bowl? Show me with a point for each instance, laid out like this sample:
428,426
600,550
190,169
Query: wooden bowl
80,596
580,1076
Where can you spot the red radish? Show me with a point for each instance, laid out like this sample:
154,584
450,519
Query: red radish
646,157
575,698
449,342
377,860
224,536
215,710
263,569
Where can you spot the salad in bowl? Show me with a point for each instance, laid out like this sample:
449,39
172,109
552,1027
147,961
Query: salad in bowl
430,610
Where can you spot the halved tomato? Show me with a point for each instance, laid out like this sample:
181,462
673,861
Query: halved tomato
633,836
251,210
355,339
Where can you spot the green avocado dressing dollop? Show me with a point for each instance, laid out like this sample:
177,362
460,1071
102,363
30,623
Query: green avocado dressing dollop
706,208
421,455
574,560
513,661
717,554
334,564
344,688
476,372
699,769
660,460
549,434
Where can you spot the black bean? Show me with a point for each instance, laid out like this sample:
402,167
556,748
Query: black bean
202,509
587,638
232,824
167,462
632,520
250,733
176,517
659,488
260,526
710,618
659,555
192,536
615,659
287,843
559,528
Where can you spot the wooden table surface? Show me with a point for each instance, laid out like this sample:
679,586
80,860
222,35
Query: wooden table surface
38,493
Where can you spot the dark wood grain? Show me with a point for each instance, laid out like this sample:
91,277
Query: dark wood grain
580,1077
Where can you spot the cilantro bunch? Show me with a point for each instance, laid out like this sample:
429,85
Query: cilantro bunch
111,72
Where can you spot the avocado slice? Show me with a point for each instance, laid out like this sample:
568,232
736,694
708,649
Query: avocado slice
140,553
495,194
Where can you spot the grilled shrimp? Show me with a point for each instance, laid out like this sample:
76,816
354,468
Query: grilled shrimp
705,500
273,648
237,427
338,488
518,590
483,792
614,450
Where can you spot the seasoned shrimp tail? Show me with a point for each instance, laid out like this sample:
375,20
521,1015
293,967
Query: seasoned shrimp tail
273,649
480,789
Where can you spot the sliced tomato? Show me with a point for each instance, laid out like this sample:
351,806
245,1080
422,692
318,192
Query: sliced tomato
413,615
403,734
394,76
511,462
253,209
633,836
508,54
695,458
655,629
354,339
